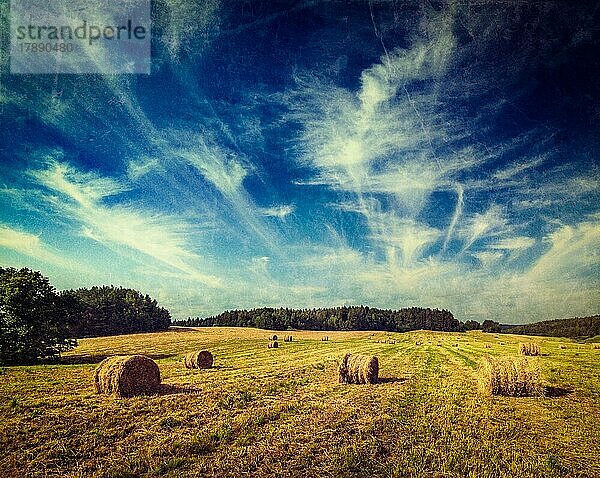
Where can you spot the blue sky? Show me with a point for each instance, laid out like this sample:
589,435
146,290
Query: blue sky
314,154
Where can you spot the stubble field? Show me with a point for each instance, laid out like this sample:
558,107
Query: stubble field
282,412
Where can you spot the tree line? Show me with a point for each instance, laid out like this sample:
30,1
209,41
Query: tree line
38,322
334,318
577,327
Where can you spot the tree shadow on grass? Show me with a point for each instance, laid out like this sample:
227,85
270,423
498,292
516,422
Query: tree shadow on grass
556,392
166,389
391,380
92,359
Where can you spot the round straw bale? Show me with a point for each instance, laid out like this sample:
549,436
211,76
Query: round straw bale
529,349
273,345
273,337
510,376
359,369
127,376
202,359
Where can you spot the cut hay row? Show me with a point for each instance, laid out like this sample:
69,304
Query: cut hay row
127,376
359,369
510,376
202,359
530,349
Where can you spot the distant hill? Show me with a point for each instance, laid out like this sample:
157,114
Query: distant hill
337,318
578,327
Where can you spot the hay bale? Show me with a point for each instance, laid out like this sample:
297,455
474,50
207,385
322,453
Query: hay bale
273,337
287,338
325,339
417,343
359,369
273,345
562,346
202,359
510,376
488,346
127,376
439,344
596,346
529,349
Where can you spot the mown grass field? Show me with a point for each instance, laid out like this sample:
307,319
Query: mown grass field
282,412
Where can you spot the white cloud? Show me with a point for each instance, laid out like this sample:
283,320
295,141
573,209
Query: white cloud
156,235
516,243
29,245
573,250
518,168
280,212
490,223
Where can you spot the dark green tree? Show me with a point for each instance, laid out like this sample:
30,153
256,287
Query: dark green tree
34,320
491,326
110,310
472,325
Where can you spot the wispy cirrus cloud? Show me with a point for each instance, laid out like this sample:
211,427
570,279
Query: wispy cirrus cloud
280,212
80,196
30,245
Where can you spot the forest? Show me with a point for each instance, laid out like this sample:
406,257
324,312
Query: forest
37,322
109,310
334,318
577,327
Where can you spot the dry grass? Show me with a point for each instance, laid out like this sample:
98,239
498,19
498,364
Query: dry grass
530,349
263,413
510,376
127,376
359,369
202,359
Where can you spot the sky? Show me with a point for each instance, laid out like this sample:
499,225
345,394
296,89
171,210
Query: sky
321,153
